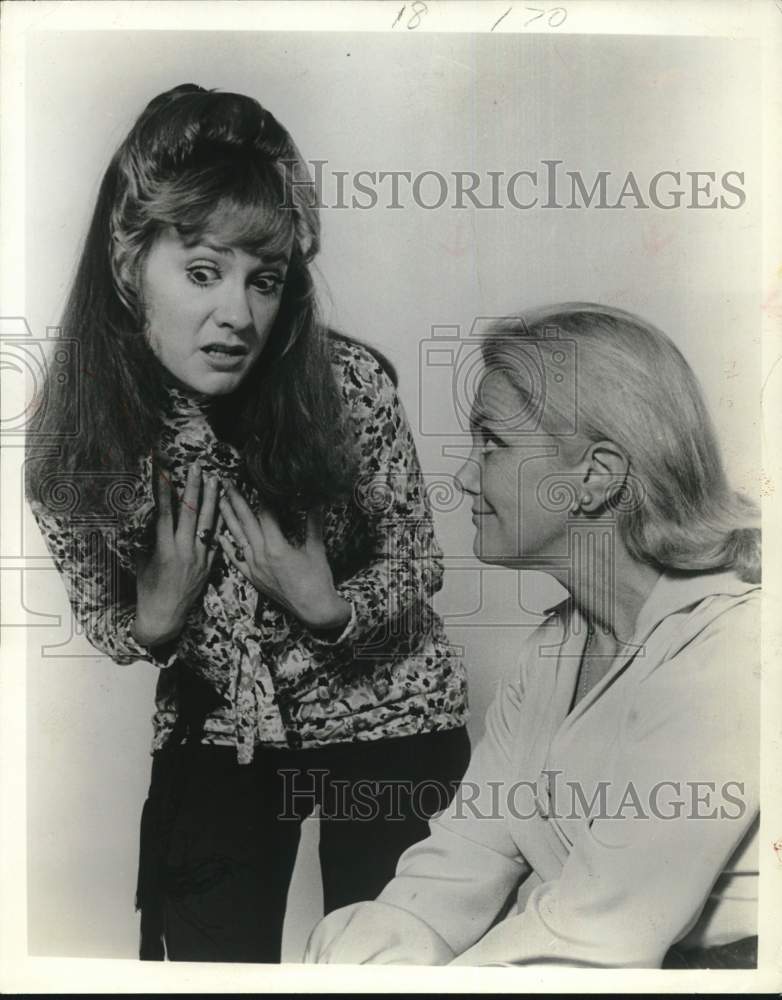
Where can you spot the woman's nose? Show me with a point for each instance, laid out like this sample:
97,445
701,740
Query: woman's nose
233,309
468,478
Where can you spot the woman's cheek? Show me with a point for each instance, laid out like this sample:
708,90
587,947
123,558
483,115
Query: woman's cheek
506,478
153,340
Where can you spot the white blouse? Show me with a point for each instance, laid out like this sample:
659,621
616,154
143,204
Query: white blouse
624,826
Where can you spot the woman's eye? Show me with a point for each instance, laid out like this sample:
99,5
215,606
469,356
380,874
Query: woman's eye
267,284
489,443
203,274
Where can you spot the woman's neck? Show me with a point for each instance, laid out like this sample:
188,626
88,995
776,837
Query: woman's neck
183,399
609,592
180,393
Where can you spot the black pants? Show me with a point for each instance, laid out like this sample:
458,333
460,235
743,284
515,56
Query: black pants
741,954
219,839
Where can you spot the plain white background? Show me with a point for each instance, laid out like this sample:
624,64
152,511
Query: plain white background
381,102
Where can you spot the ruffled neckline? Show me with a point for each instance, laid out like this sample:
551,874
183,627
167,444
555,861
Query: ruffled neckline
183,404
186,436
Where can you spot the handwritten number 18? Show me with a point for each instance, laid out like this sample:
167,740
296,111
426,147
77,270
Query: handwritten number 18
417,11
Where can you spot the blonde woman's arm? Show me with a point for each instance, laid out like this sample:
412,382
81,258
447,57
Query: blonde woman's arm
449,888
683,799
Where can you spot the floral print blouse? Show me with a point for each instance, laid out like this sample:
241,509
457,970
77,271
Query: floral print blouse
390,673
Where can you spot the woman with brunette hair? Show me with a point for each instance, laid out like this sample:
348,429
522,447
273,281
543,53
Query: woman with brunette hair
242,505
609,814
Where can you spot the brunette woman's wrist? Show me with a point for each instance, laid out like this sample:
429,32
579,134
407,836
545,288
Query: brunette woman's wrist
331,618
151,635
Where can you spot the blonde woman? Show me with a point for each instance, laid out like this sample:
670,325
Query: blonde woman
609,814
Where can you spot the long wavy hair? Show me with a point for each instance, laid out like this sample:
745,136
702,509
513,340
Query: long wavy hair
195,159
630,384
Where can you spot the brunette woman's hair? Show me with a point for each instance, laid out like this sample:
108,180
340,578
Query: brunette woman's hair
198,160
631,384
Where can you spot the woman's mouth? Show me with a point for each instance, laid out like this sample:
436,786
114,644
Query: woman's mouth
224,357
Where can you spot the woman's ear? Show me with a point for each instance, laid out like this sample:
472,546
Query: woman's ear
602,470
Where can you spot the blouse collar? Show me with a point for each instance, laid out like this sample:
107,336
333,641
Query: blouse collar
673,593
182,403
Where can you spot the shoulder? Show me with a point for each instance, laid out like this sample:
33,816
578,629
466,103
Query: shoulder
537,651
706,671
50,524
720,632
361,368
369,396
524,681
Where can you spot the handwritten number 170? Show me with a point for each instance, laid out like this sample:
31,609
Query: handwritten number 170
556,16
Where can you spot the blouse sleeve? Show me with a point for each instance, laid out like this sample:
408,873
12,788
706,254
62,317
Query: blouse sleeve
404,566
101,593
451,887
682,796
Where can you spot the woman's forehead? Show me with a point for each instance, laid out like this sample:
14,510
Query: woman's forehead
262,232
495,398
508,404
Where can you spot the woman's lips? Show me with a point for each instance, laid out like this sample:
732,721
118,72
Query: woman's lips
222,358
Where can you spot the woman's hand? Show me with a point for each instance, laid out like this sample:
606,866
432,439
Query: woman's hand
375,933
327,934
171,578
298,578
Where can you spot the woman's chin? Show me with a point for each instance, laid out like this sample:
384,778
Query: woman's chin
214,383
496,553
485,551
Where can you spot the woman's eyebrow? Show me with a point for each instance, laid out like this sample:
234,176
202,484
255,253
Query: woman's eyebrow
264,260
480,424
273,258
481,419
219,248
197,243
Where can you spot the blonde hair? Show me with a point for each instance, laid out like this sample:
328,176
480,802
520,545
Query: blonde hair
632,385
